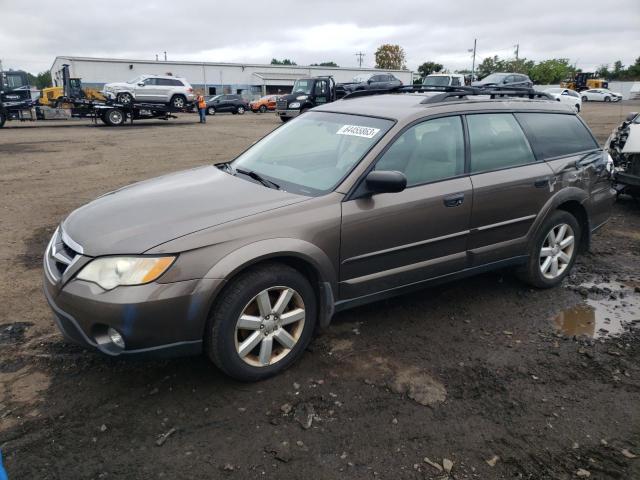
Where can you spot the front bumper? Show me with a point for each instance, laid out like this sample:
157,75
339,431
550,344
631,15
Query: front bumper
288,113
155,319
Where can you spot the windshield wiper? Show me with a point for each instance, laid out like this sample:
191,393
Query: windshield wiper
227,166
258,177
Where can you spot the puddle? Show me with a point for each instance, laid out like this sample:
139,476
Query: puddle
610,315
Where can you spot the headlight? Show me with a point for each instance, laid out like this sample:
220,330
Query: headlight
302,97
110,272
294,105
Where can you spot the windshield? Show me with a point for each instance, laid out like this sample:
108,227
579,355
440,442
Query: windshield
136,80
302,86
494,78
437,81
312,154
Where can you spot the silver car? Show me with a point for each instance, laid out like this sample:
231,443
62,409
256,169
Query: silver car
174,91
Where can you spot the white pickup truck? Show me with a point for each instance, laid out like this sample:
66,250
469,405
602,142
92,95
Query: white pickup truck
444,80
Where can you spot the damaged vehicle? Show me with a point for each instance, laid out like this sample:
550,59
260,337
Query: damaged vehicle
173,91
624,147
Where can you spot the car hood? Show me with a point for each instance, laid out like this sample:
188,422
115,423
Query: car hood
138,217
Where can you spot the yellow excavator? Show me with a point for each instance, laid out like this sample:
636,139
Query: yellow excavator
584,81
54,96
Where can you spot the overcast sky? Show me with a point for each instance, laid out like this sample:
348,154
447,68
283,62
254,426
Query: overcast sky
589,32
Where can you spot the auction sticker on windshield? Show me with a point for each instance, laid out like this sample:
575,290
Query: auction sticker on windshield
358,131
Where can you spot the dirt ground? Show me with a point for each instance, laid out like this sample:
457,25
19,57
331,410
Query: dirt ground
482,378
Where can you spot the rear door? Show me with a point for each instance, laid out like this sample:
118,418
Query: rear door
510,186
395,239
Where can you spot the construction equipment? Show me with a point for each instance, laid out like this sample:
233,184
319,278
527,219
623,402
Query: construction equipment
584,81
71,89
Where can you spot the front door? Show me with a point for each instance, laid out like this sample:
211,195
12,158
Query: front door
321,91
149,91
395,239
509,187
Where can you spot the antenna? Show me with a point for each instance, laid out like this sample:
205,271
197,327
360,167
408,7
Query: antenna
360,55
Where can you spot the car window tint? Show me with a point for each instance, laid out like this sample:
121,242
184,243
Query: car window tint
554,134
150,81
497,141
430,151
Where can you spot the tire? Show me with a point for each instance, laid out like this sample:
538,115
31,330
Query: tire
607,99
585,99
284,119
263,108
178,102
304,110
3,119
224,339
124,98
240,110
532,273
114,117
211,111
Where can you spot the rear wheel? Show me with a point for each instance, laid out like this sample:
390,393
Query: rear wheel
240,110
263,108
114,117
553,251
262,323
124,98
585,99
178,102
211,111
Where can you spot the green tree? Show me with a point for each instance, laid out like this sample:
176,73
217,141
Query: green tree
550,71
603,71
40,81
284,61
390,57
324,64
488,66
427,68
618,70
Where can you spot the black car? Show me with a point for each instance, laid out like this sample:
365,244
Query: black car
378,81
227,103
504,80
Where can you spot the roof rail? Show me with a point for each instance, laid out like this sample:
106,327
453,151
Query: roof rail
460,92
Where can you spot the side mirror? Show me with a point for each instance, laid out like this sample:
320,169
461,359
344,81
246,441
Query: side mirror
141,84
385,181
369,81
631,116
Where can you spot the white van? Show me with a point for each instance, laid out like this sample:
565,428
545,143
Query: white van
444,80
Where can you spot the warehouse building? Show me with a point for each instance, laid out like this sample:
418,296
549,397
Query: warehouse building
209,78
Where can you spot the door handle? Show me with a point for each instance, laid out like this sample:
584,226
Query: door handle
454,200
541,182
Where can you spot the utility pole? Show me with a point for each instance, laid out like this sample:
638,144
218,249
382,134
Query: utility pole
360,55
156,57
517,47
165,55
473,62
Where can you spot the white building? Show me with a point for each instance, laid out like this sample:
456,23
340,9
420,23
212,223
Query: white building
209,78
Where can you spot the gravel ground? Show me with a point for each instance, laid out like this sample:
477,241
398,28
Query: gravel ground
482,378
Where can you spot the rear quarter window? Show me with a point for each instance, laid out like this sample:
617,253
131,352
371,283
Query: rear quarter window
555,134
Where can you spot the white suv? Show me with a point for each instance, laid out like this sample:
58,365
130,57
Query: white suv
175,91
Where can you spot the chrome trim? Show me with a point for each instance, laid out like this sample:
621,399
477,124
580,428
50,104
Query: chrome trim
406,246
76,247
505,223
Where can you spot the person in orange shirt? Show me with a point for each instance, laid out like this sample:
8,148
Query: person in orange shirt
202,108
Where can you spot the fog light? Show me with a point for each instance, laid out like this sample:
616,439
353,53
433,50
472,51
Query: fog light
115,337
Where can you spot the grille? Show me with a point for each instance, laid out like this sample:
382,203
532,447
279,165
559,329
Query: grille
60,256
281,104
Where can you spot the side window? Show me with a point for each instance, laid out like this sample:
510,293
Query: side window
430,151
150,81
455,81
320,88
497,141
176,83
554,134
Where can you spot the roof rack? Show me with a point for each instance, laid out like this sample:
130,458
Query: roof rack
461,92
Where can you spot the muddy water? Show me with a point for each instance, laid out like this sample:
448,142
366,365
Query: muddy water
614,308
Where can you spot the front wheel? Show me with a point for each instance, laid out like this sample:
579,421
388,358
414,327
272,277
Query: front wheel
211,111
124,98
262,322
284,119
114,117
553,251
240,110
607,99
263,108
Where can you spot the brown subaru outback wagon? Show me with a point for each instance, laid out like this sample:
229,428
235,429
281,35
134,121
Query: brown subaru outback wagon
349,203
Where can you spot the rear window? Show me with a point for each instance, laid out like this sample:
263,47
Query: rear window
555,134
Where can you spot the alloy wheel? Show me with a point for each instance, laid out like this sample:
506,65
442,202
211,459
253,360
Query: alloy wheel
557,251
270,326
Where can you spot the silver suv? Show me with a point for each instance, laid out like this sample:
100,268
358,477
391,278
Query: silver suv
174,91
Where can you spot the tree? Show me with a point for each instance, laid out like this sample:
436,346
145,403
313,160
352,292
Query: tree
324,64
603,71
390,57
488,66
427,68
550,71
618,70
284,61
40,81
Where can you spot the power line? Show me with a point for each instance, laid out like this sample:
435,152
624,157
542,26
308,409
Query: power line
360,55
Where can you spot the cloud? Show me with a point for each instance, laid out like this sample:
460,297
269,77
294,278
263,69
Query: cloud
309,32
